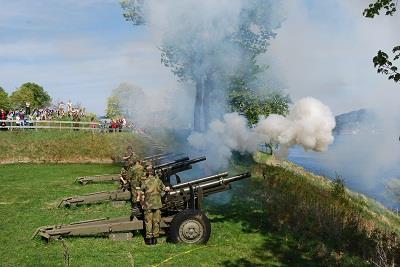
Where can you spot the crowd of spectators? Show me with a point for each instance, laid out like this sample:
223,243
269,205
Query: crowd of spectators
25,116
61,112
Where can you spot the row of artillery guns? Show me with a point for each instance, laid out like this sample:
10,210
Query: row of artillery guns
182,217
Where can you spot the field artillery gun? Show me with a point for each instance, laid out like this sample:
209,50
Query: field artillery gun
165,172
114,178
181,214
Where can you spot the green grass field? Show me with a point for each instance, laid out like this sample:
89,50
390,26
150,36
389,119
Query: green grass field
29,194
260,222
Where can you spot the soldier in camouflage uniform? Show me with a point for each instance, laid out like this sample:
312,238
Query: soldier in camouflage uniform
130,157
126,172
151,189
125,175
137,172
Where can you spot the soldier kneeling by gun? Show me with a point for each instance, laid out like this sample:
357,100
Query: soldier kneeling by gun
150,199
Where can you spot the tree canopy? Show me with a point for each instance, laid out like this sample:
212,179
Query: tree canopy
31,93
252,104
4,100
212,48
382,61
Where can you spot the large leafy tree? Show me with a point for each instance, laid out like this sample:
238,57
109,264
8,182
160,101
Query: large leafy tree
197,53
4,100
382,61
32,93
124,101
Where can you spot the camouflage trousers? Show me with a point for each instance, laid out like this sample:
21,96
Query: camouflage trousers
152,219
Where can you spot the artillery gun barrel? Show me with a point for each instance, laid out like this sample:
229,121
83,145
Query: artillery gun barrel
157,156
177,165
171,163
211,183
96,197
200,180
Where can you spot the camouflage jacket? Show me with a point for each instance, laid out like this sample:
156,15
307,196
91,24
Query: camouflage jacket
130,159
126,174
152,188
137,171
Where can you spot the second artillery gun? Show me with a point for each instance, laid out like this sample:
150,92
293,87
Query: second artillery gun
165,171
181,214
114,178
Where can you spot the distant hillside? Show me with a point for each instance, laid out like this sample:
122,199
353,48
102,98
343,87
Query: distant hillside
358,121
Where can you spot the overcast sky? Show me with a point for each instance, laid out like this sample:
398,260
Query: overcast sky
82,49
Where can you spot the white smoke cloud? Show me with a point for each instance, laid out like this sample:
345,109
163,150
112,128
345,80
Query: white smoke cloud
309,124
153,109
325,49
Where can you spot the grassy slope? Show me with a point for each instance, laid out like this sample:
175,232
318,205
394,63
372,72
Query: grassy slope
66,146
367,207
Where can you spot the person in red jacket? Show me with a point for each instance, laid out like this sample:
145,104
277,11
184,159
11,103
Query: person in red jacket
3,117
113,125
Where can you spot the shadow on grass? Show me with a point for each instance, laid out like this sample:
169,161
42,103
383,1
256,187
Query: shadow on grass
280,247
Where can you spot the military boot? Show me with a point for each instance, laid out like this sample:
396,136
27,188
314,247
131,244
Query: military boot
148,241
154,240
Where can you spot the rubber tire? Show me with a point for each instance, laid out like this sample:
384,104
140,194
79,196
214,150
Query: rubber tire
181,217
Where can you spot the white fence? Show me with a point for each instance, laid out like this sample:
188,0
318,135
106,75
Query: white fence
60,125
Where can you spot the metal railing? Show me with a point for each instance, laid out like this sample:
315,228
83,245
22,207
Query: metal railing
60,125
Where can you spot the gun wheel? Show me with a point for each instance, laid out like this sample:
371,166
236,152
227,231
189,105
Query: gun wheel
190,226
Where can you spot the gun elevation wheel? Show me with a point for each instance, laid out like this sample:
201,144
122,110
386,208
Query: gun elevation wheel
190,226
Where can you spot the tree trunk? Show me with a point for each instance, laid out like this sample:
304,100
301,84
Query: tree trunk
198,106
208,87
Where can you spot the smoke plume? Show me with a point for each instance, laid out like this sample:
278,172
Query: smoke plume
309,124
325,49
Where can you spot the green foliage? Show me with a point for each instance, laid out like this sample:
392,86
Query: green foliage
124,101
385,66
338,189
374,8
381,60
252,105
32,93
113,109
4,100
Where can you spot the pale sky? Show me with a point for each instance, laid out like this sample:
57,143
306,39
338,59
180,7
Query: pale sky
76,49
82,49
